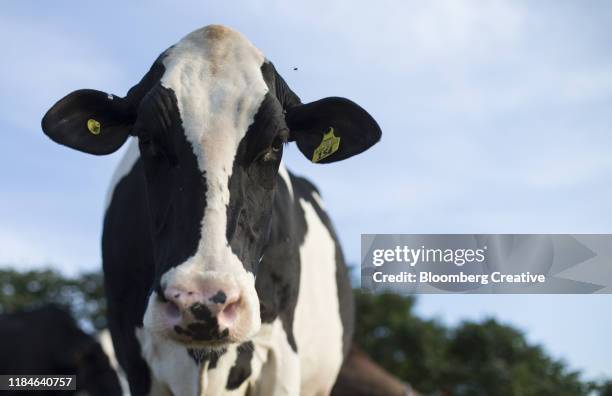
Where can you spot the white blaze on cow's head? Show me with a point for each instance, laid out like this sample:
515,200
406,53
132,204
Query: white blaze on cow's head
211,116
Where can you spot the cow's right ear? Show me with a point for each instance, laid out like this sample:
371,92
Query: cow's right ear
90,121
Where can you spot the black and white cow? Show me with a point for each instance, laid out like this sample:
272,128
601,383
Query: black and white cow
222,270
47,340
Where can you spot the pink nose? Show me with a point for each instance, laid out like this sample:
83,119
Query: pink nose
204,315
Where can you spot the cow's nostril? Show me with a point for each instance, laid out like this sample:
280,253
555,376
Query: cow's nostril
201,312
230,309
228,315
219,298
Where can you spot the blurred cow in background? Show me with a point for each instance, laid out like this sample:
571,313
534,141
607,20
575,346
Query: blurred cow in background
47,341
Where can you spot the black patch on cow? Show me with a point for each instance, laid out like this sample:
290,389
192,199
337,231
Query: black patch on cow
202,355
242,369
47,340
278,86
206,327
202,331
127,257
214,358
180,331
278,278
176,188
251,185
201,312
219,298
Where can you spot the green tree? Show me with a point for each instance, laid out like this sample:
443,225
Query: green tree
605,388
409,347
490,358
83,295
486,358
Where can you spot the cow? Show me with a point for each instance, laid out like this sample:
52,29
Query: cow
223,272
360,376
46,340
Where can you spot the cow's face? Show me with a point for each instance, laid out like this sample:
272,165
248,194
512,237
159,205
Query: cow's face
211,116
211,138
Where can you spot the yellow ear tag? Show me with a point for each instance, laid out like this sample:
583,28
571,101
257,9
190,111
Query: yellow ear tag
93,126
329,145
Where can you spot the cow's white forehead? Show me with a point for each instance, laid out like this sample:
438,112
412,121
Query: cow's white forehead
215,73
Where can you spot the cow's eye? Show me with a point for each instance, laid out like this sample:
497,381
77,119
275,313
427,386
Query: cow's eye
272,153
277,144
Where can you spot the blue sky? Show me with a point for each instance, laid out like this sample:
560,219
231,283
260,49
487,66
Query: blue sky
495,115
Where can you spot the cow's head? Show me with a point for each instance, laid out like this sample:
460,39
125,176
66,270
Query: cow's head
211,117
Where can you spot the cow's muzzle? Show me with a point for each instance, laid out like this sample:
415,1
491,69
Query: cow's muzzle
204,308
208,314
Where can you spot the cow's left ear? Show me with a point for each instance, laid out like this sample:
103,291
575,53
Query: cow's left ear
331,129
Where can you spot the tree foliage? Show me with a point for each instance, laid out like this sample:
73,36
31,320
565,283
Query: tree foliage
606,388
473,359
83,295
